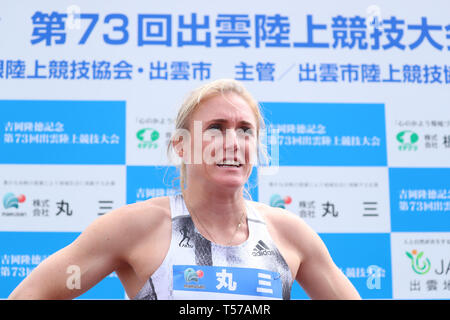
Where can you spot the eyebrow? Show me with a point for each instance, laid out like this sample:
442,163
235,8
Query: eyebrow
225,121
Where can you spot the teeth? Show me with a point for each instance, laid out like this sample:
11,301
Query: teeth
229,163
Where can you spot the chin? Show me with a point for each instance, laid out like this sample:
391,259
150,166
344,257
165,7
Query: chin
229,182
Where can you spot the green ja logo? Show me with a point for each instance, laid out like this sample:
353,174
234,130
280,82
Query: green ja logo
418,266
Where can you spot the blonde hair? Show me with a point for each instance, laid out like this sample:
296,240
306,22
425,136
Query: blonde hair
193,100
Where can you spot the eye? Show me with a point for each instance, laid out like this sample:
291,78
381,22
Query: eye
215,126
247,130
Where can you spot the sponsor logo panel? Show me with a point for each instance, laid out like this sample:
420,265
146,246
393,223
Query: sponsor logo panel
328,134
421,265
62,132
331,199
420,199
58,198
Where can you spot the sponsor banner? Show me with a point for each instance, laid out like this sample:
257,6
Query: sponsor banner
58,197
419,133
145,182
420,199
418,142
351,199
421,265
21,252
368,266
148,138
227,282
62,132
352,90
328,134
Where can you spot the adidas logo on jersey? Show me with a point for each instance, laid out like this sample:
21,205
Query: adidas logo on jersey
261,249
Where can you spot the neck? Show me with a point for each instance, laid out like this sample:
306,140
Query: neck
213,204
217,213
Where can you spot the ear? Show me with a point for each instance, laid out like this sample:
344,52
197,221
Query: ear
178,146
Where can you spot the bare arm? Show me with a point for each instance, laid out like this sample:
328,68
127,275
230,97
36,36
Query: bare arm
308,257
76,268
317,274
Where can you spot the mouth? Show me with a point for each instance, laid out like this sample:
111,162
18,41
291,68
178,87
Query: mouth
229,164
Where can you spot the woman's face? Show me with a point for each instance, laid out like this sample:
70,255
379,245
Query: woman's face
223,141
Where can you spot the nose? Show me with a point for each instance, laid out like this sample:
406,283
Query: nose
231,141
232,145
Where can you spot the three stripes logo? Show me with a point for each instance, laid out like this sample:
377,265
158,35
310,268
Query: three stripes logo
261,249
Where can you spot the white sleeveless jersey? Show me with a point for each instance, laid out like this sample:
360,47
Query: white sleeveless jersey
196,268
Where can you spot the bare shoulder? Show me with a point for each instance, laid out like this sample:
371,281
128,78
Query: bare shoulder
151,210
280,218
130,222
288,227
